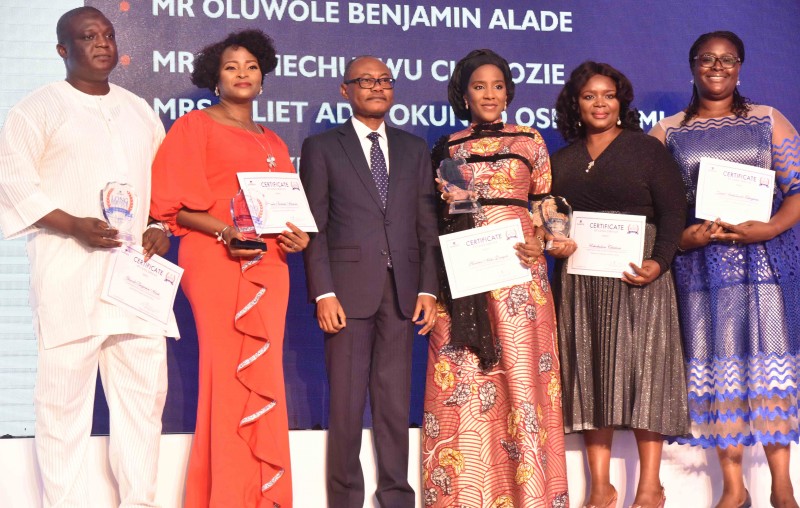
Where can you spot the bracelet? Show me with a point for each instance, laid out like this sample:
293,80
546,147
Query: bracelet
219,234
541,241
160,226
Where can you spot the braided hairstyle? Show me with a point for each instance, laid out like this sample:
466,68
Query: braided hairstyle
741,104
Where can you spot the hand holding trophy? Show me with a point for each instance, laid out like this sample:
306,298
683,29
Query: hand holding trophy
244,222
556,215
458,180
120,202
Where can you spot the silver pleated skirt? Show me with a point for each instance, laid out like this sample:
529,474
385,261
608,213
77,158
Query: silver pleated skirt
621,353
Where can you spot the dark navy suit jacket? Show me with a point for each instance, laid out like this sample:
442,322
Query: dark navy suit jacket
349,254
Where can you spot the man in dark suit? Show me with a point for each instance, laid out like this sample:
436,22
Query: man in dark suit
371,271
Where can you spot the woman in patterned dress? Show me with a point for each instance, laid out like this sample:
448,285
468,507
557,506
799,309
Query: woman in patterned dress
739,284
493,434
621,355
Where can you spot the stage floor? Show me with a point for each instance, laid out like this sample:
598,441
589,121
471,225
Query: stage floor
691,476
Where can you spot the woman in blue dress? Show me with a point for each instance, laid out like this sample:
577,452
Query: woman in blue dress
739,284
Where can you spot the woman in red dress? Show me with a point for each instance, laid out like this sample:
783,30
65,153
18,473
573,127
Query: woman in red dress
240,451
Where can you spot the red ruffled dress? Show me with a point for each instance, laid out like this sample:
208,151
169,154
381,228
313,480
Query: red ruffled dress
240,451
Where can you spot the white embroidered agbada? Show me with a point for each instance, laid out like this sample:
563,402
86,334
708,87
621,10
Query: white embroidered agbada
41,170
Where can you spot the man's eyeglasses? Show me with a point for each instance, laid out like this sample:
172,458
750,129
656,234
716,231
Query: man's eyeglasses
709,60
386,83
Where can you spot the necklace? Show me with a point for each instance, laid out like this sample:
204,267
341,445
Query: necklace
589,166
270,157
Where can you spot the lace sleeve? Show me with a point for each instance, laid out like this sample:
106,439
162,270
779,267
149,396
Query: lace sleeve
785,154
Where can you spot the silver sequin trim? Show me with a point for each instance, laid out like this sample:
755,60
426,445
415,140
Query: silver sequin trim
250,263
250,305
258,414
254,357
274,479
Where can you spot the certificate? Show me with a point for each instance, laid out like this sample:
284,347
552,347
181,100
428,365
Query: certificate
144,288
733,192
483,259
607,243
276,198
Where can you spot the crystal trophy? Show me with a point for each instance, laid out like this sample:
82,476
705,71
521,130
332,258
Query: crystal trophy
120,202
556,215
244,220
458,180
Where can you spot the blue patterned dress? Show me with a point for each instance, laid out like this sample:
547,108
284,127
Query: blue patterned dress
740,304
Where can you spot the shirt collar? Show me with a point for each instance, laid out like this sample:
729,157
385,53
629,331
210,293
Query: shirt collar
362,131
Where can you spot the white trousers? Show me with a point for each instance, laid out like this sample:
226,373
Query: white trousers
133,369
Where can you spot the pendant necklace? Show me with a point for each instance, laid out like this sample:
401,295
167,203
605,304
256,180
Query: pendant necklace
589,166
270,157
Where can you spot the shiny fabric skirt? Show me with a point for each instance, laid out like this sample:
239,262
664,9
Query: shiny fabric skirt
622,361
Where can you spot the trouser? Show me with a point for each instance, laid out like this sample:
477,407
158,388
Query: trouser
375,353
133,369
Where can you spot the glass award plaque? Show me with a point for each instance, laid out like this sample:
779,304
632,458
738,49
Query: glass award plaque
556,215
244,220
458,180
120,202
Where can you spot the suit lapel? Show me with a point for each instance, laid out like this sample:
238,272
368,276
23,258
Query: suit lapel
395,163
354,152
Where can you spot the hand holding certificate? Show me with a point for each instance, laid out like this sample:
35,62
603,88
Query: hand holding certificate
144,288
734,192
607,243
275,199
483,259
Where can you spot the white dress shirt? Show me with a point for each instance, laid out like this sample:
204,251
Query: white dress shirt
58,148
362,131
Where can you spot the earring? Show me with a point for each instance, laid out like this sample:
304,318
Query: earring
216,91
580,124
260,90
738,82
619,121
466,105
505,105
691,81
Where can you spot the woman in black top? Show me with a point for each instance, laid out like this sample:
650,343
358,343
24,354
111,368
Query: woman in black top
621,355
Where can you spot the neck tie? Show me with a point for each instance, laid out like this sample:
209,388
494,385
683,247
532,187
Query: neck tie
377,165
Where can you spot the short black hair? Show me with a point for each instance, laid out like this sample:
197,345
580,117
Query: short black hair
63,22
459,81
568,111
354,60
741,104
207,60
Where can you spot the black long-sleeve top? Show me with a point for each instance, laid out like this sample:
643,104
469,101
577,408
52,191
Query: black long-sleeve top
634,175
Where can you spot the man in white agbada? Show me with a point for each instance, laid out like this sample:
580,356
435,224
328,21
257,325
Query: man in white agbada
59,147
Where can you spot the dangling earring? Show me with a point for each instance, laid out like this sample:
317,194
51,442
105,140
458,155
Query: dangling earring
216,91
505,106
466,105
619,121
580,124
260,90
738,82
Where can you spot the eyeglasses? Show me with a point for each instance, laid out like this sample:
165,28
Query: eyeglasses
386,83
709,60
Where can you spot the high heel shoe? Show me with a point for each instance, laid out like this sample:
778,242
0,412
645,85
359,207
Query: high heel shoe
660,504
611,503
747,501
